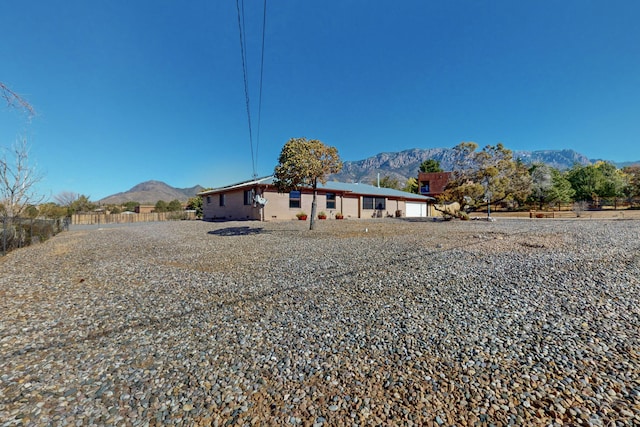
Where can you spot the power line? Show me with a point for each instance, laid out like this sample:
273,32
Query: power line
244,73
243,52
264,26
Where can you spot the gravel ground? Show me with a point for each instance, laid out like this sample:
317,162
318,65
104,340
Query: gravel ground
379,322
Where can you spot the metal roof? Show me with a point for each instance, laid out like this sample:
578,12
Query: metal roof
346,187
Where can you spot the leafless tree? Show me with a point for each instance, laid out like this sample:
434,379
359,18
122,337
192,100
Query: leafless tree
66,198
17,181
17,177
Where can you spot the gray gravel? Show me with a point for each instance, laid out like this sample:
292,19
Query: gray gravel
379,322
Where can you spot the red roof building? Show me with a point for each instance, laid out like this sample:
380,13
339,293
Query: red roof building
433,183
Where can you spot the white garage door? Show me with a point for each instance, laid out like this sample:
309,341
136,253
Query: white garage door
416,210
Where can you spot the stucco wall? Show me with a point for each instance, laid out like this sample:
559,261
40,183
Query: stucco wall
390,209
277,208
233,209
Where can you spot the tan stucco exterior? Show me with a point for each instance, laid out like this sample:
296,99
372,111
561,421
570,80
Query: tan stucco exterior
349,203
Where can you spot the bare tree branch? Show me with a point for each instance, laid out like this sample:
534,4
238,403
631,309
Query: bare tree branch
66,198
16,101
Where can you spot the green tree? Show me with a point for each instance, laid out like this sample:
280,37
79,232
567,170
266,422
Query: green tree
560,190
614,182
174,206
632,178
130,206
593,182
81,204
52,210
541,183
305,163
195,204
411,185
31,211
388,182
161,206
430,165
487,176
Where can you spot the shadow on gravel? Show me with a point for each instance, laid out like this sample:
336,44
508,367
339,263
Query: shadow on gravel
236,231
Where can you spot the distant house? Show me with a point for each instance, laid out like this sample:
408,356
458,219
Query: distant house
432,184
352,200
143,209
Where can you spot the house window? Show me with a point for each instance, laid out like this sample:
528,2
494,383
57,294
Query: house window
294,199
208,199
377,203
424,189
248,197
222,199
331,200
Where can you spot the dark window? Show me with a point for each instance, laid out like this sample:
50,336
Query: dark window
367,202
378,203
294,199
208,199
222,199
248,197
331,200
425,187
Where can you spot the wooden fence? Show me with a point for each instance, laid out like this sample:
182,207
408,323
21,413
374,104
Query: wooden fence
125,218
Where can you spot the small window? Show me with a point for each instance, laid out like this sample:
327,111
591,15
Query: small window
377,203
222,199
331,200
425,188
248,197
294,199
208,199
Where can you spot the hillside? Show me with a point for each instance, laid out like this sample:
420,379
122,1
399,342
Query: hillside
149,192
400,165
404,164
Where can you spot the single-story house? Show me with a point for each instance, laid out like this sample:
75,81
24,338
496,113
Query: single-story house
259,199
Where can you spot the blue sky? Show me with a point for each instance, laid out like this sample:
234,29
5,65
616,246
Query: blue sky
128,91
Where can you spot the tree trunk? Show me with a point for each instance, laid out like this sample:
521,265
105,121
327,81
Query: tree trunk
312,222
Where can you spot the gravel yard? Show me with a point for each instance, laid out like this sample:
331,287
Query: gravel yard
372,322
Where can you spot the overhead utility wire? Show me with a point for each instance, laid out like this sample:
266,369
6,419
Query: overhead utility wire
246,83
264,26
243,52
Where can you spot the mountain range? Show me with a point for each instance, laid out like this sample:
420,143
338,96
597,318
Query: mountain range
404,164
149,192
399,165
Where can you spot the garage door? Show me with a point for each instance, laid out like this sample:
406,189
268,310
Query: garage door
416,210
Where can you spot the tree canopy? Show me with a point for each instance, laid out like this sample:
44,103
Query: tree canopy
430,165
130,206
304,163
387,182
411,186
81,204
482,177
174,206
600,180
